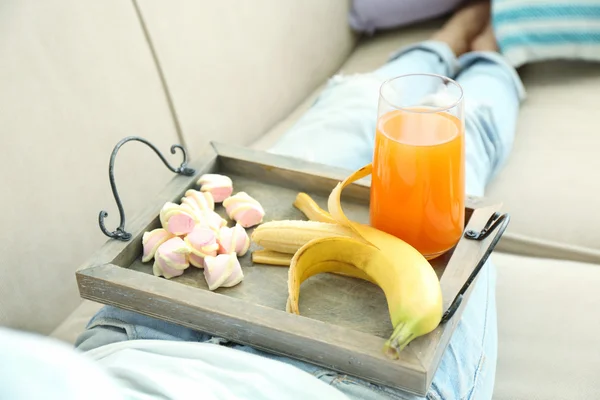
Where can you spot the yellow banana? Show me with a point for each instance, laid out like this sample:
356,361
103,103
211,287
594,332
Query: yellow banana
311,209
271,258
410,284
289,236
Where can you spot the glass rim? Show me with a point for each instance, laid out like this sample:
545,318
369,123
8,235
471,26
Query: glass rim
431,110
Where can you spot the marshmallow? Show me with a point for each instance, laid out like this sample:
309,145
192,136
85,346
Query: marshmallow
233,240
211,219
151,240
171,258
244,209
196,261
178,219
202,243
220,186
199,201
223,270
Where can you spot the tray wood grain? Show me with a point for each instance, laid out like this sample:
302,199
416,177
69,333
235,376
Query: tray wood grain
344,321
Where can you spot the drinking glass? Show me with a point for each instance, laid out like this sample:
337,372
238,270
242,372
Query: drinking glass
418,179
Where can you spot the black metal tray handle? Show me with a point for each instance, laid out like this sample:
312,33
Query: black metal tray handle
497,222
183,169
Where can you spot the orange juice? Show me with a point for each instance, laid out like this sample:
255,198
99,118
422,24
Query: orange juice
418,182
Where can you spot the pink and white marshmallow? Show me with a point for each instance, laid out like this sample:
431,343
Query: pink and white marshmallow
202,242
211,219
223,270
220,186
199,201
151,240
233,240
244,209
171,258
178,219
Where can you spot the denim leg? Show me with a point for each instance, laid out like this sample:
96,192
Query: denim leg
339,129
112,324
493,92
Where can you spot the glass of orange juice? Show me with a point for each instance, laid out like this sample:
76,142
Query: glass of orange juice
418,179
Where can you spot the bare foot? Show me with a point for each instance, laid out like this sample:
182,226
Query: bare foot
464,26
486,40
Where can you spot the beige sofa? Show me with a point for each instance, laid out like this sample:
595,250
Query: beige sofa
76,77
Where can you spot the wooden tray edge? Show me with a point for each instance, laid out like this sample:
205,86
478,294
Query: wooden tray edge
215,313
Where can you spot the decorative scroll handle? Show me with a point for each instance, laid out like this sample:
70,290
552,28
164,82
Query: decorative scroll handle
183,169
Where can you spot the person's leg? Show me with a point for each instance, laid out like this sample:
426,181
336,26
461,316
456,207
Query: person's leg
493,93
112,325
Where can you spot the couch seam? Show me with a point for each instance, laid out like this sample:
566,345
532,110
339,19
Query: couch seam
161,74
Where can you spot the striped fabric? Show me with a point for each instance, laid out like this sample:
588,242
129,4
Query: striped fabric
537,30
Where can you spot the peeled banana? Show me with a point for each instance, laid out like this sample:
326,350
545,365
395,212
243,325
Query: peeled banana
271,258
289,236
411,286
311,209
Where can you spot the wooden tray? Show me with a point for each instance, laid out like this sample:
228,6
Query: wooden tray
344,321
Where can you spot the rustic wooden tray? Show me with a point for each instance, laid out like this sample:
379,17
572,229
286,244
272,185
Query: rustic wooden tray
344,321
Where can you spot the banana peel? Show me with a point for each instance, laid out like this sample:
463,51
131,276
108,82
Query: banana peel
299,275
411,286
276,258
311,209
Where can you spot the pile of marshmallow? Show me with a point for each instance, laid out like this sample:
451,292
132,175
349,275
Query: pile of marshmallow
194,234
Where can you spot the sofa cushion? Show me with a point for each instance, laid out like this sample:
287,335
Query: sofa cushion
548,184
75,78
235,72
537,30
548,328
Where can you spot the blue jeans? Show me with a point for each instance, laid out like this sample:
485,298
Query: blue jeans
343,118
